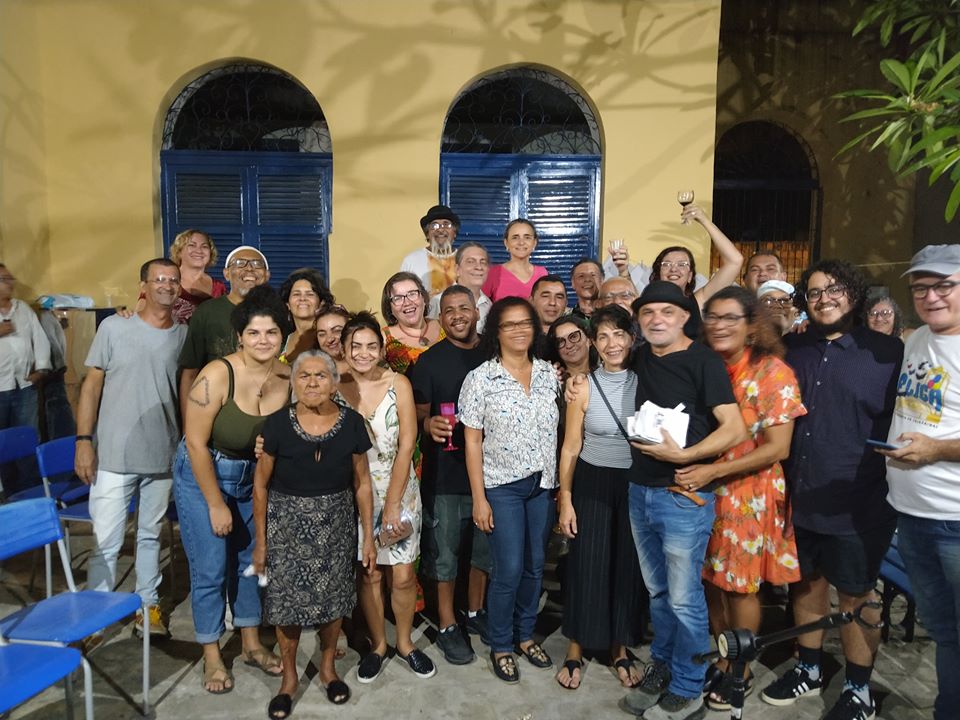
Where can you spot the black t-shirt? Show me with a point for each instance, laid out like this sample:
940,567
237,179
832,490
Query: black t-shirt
696,377
297,471
436,378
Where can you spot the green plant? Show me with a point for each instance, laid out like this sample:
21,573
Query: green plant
918,120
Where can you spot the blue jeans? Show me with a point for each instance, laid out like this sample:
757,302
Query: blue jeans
671,534
517,550
931,551
217,563
19,407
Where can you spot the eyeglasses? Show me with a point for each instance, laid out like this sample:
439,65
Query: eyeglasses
713,319
614,297
516,325
573,338
165,281
832,291
7,279
881,313
769,300
252,263
942,288
440,225
679,265
407,296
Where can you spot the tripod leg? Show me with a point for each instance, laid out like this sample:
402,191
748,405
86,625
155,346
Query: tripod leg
737,668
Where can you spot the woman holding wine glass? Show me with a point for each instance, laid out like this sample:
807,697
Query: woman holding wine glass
676,264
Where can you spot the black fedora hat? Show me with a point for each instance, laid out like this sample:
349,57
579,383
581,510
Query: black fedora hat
663,291
439,212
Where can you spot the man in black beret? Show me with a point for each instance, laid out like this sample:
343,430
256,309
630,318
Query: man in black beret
435,264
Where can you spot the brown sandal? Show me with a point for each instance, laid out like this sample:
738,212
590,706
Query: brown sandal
263,659
216,673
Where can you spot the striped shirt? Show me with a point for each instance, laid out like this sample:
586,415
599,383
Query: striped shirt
603,443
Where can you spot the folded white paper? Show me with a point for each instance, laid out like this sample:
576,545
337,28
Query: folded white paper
646,423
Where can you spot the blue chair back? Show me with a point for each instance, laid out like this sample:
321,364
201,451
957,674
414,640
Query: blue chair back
28,524
56,457
17,442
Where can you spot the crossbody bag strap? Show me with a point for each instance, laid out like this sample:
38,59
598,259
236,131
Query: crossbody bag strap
609,407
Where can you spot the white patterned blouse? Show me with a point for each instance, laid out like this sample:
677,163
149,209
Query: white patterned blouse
520,431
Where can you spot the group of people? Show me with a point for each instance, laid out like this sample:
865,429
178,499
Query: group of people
322,455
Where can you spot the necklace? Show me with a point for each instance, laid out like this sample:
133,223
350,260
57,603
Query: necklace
265,380
421,338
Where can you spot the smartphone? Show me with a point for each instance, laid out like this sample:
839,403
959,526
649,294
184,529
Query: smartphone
884,445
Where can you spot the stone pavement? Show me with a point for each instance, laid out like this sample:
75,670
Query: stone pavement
904,681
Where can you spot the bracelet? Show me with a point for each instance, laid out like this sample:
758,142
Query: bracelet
85,437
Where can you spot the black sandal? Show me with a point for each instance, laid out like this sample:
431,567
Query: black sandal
505,667
570,665
338,692
280,707
536,656
628,666
721,696
712,679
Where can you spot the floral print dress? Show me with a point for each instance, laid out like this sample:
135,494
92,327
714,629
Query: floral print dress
383,426
751,542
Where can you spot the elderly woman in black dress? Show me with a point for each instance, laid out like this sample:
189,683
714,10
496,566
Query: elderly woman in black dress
312,471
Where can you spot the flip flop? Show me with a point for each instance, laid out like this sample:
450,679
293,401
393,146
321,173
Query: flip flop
280,707
209,673
628,666
571,665
265,660
721,696
338,692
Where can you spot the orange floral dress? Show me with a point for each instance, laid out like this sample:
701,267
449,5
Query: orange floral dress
399,356
750,543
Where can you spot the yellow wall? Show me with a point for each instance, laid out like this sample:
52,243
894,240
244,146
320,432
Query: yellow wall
86,83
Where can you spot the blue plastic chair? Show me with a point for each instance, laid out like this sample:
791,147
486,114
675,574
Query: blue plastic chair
69,617
28,670
56,457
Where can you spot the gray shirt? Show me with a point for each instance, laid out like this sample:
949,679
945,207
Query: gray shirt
603,443
137,427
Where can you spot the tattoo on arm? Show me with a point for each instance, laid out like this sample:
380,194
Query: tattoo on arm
200,392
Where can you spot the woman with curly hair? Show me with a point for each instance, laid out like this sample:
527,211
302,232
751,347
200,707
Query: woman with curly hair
882,314
213,481
306,294
751,541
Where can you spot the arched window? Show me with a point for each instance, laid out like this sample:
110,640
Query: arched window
766,195
246,157
524,143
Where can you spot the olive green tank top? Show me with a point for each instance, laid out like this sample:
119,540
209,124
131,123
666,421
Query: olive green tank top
234,431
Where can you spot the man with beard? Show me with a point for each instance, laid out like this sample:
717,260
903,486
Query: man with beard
837,483
435,264
210,334
586,277
129,401
448,530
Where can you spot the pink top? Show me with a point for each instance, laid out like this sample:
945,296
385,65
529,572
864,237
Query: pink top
502,283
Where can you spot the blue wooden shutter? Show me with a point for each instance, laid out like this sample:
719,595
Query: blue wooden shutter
559,194
277,202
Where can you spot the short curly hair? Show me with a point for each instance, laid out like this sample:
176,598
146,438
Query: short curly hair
897,312
843,273
312,276
180,242
261,301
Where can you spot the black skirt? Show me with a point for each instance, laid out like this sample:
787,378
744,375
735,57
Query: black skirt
311,542
605,601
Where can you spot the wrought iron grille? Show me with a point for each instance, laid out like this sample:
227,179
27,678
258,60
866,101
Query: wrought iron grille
521,111
246,107
766,196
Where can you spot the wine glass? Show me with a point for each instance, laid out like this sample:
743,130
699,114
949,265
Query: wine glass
684,197
448,411
616,249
